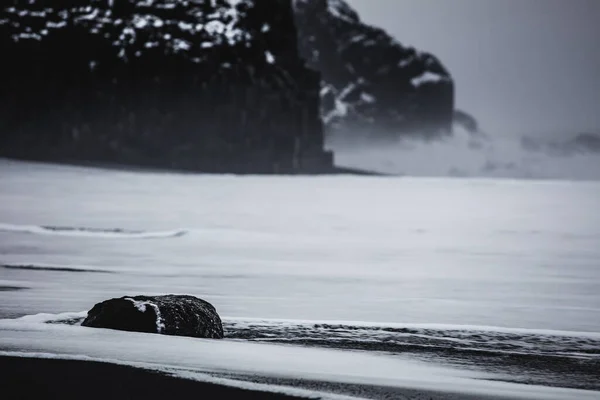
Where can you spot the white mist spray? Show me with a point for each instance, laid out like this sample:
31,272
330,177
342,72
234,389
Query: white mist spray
465,155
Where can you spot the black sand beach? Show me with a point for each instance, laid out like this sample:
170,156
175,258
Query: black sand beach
26,378
37,378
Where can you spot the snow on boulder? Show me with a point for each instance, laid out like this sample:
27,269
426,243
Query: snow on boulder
177,315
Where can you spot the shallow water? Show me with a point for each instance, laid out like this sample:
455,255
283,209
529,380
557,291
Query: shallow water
506,257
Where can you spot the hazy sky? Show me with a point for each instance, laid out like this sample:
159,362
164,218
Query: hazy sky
520,66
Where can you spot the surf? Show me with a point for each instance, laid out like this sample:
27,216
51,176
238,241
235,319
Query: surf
73,231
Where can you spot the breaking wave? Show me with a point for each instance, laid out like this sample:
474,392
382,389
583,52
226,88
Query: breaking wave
546,357
417,337
534,356
116,233
397,337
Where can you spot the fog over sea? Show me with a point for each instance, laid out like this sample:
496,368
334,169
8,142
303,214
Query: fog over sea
477,154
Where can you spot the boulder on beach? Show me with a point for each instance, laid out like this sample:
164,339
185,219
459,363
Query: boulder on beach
178,315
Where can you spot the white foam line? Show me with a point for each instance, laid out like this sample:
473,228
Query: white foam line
265,360
397,325
82,232
393,325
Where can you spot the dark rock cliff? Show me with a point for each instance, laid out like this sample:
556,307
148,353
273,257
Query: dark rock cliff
372,85
207,85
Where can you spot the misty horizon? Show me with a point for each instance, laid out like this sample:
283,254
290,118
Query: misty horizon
521,67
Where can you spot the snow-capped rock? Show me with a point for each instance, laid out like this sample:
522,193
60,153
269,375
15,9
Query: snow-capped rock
374,84
210,85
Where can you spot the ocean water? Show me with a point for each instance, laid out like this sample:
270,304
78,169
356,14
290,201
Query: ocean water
493,275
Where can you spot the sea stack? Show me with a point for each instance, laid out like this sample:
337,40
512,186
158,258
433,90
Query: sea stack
211,86
374,87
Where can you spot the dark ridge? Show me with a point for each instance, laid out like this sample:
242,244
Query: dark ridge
356,171
467,121
12,288
95,230
122,233
57,269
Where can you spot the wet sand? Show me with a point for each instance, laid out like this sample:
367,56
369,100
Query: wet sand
27,378
38,378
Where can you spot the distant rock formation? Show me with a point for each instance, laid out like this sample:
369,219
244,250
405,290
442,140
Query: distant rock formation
585,142
373,86
215,86
168,315
467,121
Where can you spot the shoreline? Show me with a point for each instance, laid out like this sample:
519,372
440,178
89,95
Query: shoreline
55,378
335,170
35,377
